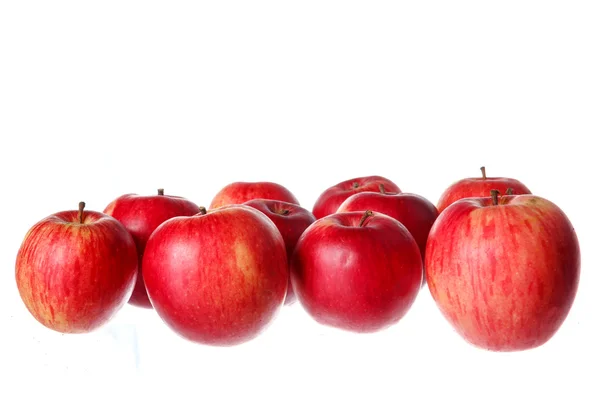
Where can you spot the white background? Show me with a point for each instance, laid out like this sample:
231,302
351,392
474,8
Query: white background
98,99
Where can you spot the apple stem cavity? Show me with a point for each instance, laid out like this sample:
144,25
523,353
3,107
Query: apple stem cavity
161,192
495,194
355,185
509,192
80,214
366,215
202,211
483,172
284,212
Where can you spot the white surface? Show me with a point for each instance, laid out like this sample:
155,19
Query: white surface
101,99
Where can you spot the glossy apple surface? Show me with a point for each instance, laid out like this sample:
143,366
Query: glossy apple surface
291,220
75,270
218,278
357,271
505,275
330,200
141,215
241,192
479,187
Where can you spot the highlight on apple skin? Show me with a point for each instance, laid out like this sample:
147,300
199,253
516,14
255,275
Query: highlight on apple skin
76,269
141,215
479,187
503,270
219,277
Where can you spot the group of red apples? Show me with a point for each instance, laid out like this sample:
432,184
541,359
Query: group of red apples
501,263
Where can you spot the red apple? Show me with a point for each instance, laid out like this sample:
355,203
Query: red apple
141,215
330,200
415,212
479,187
357,271
75,270
503,271
291,220
217,278
241,192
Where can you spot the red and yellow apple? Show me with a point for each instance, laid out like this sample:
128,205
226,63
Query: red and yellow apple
330,200
241,192
357,271
76,269
504,271
141,215
291,221
479,187
217,278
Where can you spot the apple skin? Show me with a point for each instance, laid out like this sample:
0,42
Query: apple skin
413,211
479,187
74,277
141,215
241,192
330,200
291,221
218,278
356,278
505,276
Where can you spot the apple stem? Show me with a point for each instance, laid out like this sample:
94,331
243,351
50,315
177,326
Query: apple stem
509,191
202,211
495,194
366,215
355,185
382,188
284,212
483,172
80,215
161,192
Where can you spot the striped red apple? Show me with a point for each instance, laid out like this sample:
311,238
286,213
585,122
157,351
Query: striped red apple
76,269
503,270
479,187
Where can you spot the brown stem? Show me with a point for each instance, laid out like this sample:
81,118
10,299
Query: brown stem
202,210
495,194
161,192
284,212
509,192
382,188
366,215
355,185
483,172
80,214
